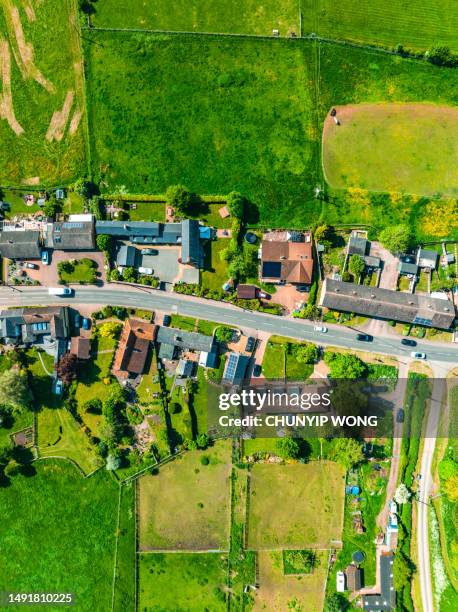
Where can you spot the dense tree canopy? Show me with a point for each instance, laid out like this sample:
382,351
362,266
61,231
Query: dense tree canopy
347,451
396,238
14,389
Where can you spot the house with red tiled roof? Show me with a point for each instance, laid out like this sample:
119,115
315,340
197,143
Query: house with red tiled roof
287,257
134,345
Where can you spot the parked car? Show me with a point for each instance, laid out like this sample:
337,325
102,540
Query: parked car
5,206
303,288
250,344
60,291
150,252
166,320
364,337
400,416
408,342
257,370
264,295
31,266
320,328
77,320
418,355
45,257
143,270
86,323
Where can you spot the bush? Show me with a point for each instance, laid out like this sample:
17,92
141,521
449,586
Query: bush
93,406
204,460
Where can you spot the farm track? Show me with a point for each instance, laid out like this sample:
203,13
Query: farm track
6,98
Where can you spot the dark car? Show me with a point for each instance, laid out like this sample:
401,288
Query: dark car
250,344
31,266
408,342
364,337
77,320
400,416
150,252
86,323
257,370
167,320
303,288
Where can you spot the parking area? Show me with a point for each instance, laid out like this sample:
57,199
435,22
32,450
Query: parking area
166,265
289,297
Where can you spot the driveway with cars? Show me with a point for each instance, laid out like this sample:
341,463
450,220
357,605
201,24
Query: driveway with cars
167,268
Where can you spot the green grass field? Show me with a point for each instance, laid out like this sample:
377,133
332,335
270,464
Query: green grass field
39,86
280,362
295,506
240,109
393,147
229,16
278,592
186,505
415,24
124,594
59,534
84,271
182,581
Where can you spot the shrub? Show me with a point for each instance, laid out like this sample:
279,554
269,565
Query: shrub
204,460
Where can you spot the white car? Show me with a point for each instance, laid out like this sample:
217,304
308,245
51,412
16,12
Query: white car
320,328
143,270
418,355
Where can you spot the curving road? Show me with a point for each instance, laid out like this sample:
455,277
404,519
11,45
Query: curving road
223,312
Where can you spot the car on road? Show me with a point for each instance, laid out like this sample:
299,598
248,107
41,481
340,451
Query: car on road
45,257
143,270
77,320
60,291
31,266
166,320
150,252
416,355
408,342
364,337
400,416
320,328
86,323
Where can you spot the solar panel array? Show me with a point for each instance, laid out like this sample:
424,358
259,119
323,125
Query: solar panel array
231,366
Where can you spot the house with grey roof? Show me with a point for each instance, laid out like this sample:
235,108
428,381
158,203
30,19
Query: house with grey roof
426,258
414,308
20,244
187,234
407,268
34,325
358,245
71,236
172,341
235,369
386,600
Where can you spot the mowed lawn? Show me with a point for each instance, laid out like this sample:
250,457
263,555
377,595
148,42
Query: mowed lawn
223,16
277,591
58,534
186,505
180,581
416,24
216,115
393,147
296,505
39,87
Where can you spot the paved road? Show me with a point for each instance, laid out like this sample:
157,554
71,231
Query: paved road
226,313
426,483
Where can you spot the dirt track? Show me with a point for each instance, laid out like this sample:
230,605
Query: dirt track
6,98
59,119
29,10
23,51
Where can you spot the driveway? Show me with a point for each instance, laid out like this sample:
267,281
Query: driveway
289,297
48,275
389,275
167,268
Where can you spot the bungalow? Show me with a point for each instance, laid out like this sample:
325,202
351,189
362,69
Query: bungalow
407,268
172,340
358,246
20,243
71,235
427,258
287,257
133,347
187,234
34,325
235,369
386,600
386,304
